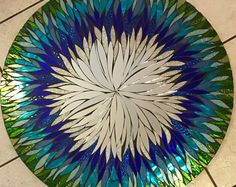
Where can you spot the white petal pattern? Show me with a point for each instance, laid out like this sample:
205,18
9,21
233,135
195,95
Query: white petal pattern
118,94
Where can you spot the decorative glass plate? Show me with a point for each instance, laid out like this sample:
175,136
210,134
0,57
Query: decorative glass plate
116,93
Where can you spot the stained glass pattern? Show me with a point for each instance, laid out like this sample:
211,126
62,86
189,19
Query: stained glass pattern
117,93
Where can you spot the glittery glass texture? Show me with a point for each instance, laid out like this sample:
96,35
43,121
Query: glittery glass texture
116,93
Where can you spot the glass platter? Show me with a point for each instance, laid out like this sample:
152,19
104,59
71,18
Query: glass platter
117,93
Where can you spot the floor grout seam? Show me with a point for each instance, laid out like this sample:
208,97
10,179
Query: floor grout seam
229,39
9,161
21,11
210,177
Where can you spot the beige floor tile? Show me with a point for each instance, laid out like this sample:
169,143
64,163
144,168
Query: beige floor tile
201,181
223,166
8,32
10,7
16,174
220,13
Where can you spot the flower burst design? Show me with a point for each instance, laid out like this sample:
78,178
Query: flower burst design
116,93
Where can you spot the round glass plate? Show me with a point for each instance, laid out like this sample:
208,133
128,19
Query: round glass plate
116,93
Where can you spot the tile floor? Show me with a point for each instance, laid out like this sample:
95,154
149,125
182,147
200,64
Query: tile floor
222,16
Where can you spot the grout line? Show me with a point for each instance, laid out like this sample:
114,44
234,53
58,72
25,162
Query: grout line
12,16
211,178
229,39
9,161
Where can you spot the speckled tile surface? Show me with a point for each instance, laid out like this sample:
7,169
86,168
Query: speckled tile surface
16,174
221,15
9,8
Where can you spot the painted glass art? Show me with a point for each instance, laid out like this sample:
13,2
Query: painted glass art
117,93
